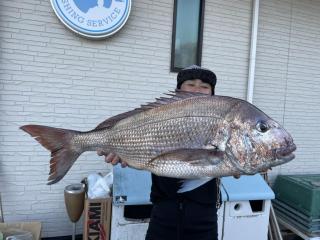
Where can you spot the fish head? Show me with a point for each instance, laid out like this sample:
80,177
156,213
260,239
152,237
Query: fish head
256,141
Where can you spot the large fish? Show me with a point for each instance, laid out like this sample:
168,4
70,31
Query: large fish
186,135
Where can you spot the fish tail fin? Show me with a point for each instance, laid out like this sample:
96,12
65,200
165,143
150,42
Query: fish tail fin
58,142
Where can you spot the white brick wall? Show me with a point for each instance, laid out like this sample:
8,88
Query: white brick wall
226,44
51,76
287,76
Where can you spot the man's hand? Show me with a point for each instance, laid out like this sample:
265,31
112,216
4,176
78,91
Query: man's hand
112,158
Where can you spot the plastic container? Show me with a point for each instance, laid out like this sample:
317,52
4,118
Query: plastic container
301,192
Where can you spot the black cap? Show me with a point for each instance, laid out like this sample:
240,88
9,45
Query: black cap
196,72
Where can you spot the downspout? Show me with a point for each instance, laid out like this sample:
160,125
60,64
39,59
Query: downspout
252,65
253,49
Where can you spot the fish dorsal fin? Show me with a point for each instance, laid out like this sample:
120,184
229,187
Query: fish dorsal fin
110,122
174,96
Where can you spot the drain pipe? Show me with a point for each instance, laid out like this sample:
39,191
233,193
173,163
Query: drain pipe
253,49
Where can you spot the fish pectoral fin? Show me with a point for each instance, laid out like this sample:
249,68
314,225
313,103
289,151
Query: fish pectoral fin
191,156
190,184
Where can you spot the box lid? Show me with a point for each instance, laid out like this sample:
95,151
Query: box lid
130,186
310,181
247,188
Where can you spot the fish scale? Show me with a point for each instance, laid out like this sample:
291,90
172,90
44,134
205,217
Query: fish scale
161,135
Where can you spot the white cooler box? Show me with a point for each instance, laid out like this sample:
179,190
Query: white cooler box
131,193
244,213
246,207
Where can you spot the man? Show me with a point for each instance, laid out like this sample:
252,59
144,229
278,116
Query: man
189,215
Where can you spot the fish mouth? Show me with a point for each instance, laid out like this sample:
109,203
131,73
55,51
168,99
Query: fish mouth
286,153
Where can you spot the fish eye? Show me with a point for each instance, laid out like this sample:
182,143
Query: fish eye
262,126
